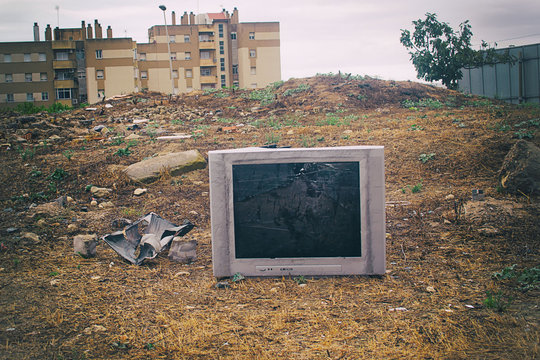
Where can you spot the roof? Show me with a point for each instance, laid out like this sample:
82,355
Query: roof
217,16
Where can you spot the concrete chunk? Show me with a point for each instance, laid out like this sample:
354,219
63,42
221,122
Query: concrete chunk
175,163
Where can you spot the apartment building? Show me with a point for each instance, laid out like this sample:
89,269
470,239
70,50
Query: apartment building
73,65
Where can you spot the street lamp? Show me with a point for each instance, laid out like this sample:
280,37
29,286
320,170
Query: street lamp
162,7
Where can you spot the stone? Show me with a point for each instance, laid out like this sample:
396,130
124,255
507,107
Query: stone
85,245
183,251
93,203
520,171
106,205
121,223
100,192
139,191
173,137
449,197
31,236
177,163
72,228
133,137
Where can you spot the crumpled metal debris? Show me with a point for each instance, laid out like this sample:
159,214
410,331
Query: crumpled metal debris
157,236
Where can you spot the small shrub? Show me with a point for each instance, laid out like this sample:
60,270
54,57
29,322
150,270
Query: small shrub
68,154
497,301
424,158
58,174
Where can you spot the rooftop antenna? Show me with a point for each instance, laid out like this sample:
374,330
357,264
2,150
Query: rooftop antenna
57,7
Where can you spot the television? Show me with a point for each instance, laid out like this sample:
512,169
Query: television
298,211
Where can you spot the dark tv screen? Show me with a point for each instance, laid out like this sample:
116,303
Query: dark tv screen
293,210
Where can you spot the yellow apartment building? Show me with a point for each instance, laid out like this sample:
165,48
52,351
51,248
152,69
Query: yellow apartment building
74,65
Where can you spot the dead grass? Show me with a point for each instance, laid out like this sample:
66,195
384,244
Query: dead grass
57,305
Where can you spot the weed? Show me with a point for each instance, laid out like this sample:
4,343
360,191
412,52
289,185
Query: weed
320,139
125,151
52,187
130,212
27,154
225,120
117,141
424,103
416,188
307,141
497,301
272,138
300,279
35,173
53,273
424,158
16,262
415,127
68,154
300,88
506,273
58,174
177,122
524,134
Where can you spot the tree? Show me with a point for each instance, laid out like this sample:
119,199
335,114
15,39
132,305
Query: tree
439,53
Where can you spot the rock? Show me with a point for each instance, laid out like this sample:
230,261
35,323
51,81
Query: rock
430,289
139,192
55,138
106,205
520,171
133,137
290,132
100,192
41,222
176,163
93,203
69,200
183,251
31,236
222,285
193,212
72,228
488,231
449,197
173,137
85,245
347,132
99,128
182,273
11,230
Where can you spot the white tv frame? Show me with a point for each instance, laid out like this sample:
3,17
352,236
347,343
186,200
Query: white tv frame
372,212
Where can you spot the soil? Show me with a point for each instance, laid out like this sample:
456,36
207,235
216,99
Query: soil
446,293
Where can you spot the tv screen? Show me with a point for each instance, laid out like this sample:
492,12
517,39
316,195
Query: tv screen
315,211
289,210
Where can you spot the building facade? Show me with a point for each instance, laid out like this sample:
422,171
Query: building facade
207,51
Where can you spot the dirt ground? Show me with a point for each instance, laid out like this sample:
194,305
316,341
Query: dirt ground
451,288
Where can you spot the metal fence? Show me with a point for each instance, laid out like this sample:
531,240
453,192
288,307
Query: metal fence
516,83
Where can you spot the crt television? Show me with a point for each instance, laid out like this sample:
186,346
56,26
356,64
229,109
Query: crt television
298,211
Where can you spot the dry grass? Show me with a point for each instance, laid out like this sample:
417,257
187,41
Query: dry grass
57,305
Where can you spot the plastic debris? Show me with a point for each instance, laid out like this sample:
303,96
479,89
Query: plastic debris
238,277
157,236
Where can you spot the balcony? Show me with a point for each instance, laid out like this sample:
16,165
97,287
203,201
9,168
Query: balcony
209,44
64,64
208,62
65,84
211,79
63,44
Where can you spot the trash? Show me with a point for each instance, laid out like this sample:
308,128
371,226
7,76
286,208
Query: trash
222,285
157,235
108,106
183,251
99,128
398,309
90,109
238,277
139,191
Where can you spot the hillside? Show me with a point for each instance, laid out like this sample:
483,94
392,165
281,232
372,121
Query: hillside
439,298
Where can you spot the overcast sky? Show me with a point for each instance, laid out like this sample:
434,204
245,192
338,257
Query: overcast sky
361,37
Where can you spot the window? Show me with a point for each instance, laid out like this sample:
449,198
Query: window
175,74
43,76
63,94
222,63
134,54
187,38
7,58
101,93
173,56
172,38
251,36
206,72
136,73
62,55
144,75
44,96
99,54
9,98
79,54
253,70
220,27
63,75
253,85
233,36
142,56
235,69
27,58
235,84
42,57
204,38
100,74
187,56
9,77
205,54
189,73
28,77
221,48
81,74
252,53
29,97
223,81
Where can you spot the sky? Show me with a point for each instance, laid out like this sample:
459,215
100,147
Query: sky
317,36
